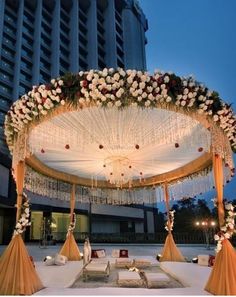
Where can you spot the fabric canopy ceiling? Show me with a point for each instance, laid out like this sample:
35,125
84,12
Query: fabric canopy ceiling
132,143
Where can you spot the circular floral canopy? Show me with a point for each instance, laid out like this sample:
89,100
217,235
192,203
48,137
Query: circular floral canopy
117,128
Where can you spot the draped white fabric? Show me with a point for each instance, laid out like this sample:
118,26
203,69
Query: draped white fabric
146,138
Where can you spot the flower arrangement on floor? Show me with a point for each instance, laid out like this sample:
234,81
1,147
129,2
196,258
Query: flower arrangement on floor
23,221
120,88
170,221
72,224
227,231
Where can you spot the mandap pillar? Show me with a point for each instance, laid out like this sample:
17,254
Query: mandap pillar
222,280
17,273
70,248
170,251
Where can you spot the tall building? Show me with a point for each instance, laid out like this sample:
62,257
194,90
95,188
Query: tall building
42,39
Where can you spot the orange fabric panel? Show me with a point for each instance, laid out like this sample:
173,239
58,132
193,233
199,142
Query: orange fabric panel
167,198
70,248
20,175
170,251
17,273
222,280
219,179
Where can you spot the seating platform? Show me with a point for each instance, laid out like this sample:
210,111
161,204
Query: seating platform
96,269
129,279
156,280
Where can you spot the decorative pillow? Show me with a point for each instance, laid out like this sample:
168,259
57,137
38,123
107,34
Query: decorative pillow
203,260
101,253
49,261
115,253
124,254
60,259
211,261
94,254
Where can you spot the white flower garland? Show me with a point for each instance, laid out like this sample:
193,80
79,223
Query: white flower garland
171,219
119,88
72,225
227,231
23,221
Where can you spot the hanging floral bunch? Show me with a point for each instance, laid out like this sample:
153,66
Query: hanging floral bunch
227,231
119,88
170,221
72,224
23,221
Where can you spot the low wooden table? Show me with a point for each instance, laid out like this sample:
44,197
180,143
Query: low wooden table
96,269
156,280
129,279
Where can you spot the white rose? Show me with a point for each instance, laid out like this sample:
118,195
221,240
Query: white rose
147,103
116,76
151,97
63,102
58,90
144,95
166,79
228,206
118,103
163,86
81,100
215,118
141,85
168,99
53,81
60,82
44,112
140,98
183,103
227,235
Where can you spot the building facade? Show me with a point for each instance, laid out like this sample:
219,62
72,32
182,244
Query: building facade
43,39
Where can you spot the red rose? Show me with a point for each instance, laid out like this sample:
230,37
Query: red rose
104,91
100,146
176,144
200,149
67,146
42,151
85,83
137,147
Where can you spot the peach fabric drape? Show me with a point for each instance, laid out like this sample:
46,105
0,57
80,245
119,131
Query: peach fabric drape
20,174
70,248
170,251
218,177
17,273
222,280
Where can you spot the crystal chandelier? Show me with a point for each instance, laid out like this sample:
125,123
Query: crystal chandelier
118,170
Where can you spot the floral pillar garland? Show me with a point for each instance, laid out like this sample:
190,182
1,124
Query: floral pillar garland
72,225
23,221
227,231
170,221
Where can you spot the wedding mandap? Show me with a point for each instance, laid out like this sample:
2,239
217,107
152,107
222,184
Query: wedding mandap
120,137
